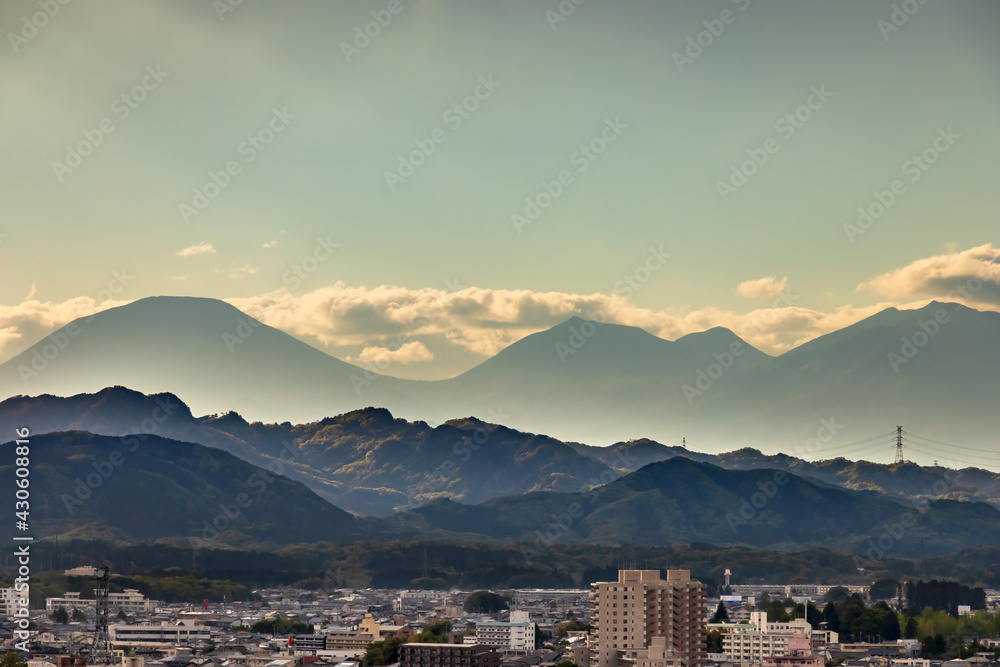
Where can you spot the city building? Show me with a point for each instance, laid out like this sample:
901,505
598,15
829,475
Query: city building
517,635
628,614
799,654
130,601
9,600
448,655
754,642
184,633
369,626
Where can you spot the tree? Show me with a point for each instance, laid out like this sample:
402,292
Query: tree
122,616
836,594
385,652
12,659
889,630
831,617
883,589
721,615
566,663
87,589
776,612
79,616
60,615
715,642
911,628
762,603
435,633
484,602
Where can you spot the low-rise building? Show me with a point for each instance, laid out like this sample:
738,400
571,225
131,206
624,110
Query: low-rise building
448,655
752,643
183,633
130,601
516,635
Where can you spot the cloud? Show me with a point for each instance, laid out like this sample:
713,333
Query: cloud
407,353
484,321
970,276
273,243
197,249
762,287
240,272
24,324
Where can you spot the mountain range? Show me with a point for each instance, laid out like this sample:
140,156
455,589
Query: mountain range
159,490
935,370
371,463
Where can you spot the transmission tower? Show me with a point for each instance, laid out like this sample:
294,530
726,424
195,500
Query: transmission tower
899,445
100,650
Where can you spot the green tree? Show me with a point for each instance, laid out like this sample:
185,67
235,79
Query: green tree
566,663
60,615
714,642
883,589
484,602
435,633
385,652
776,612
911,628
762,603
831,617
12,659
79,616
721,615
122,616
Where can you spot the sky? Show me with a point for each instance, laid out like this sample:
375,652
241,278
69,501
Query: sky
426,182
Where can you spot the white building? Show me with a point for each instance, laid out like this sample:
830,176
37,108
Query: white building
516,635
130,601
8,600
181,633
751,643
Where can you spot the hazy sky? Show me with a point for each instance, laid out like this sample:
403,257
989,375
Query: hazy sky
612,118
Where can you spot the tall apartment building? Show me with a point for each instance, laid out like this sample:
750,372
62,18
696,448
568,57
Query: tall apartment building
10,600
645,620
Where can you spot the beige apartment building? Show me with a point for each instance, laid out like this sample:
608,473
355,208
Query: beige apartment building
642,620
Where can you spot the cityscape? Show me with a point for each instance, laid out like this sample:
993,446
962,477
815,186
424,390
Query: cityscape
500,333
